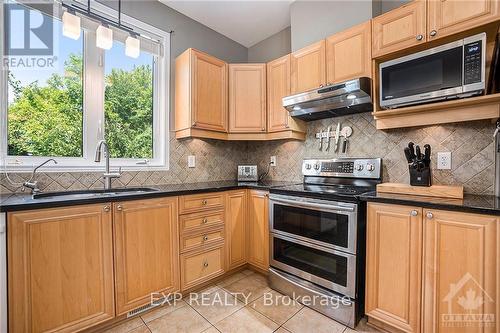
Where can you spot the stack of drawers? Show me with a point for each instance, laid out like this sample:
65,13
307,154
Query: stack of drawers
201,236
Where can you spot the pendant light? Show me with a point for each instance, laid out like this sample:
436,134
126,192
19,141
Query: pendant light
104,37
132,47
71,25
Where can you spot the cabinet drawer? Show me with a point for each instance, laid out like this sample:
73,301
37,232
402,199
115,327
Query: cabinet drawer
199,202
199,239
200,266
193,222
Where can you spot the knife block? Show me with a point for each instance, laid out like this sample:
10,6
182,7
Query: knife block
421,177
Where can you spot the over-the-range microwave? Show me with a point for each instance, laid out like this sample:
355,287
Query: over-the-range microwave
449,71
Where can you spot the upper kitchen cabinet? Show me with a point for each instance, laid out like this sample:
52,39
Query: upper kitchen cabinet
146,251
400,28
278,86
308,68
348,54
247,98
200,93
60,272
447,17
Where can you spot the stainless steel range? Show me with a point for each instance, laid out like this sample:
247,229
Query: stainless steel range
317,240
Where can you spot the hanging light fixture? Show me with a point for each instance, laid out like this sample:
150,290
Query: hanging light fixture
71,25
132,47
104,37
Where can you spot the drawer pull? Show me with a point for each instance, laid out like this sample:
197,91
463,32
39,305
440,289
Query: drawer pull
205,220
106,209
119,207
205,263
205,238
204,202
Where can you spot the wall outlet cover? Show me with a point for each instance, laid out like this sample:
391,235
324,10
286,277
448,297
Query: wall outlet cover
191,161
444,160
273,161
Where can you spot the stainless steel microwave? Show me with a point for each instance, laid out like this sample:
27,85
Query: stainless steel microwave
454,70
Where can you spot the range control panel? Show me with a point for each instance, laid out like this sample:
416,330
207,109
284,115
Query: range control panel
349,167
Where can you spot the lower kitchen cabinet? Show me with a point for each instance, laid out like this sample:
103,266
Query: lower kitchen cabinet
146,251
236,228
258,229
461,272
60,269
438,268
201,265
393,266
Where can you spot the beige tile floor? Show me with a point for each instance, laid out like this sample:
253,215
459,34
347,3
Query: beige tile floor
238,314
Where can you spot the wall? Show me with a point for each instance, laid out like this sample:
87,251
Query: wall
388,5
272,47
471,144
312,21
215,160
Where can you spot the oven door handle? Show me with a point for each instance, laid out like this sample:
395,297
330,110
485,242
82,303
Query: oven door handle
313,205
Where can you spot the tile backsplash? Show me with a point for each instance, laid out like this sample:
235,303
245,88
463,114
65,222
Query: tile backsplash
471,144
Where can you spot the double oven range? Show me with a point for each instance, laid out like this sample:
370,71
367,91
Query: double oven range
317,236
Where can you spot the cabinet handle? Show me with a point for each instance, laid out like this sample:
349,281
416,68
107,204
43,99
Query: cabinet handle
205,264
106,208
263,129
119,207
420,37
204,202
413,213
194,124
205,238
205,220
433,33
430,215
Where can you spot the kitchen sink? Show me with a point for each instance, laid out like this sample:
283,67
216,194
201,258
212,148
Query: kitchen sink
94,193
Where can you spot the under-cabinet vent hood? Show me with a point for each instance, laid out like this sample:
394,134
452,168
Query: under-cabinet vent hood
331,101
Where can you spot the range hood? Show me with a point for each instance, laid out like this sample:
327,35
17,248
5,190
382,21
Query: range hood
331,101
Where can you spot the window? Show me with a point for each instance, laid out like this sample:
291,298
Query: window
92,94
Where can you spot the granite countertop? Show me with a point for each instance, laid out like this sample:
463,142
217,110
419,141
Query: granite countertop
482,204
24,201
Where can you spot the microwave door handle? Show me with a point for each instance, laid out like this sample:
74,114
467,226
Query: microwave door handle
314,205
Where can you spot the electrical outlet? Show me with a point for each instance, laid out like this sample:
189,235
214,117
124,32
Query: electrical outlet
444,160
191,161
273,161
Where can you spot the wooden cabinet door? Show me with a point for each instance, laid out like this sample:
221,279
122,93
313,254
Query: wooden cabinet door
400,28
308,68
461,276
146,251
208,92
349,54
236,228
60,272
278,86
393,265
447,17
247,98
258,229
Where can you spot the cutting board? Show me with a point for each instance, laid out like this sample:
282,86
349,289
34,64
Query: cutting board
441,191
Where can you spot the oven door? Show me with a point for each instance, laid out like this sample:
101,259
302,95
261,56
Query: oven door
334,270
325,223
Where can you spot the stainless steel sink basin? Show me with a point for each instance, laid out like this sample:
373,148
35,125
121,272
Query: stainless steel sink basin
94,193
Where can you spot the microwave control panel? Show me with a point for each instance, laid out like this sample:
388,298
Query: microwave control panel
472,62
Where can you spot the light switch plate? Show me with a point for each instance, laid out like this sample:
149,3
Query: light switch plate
273,161
191,161
444,160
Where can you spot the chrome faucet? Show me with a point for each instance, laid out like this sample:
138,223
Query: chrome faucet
33,184
107,176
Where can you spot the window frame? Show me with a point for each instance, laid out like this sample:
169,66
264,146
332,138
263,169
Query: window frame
93,105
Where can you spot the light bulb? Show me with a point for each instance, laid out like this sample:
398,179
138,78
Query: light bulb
132,47
71,25
104,37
